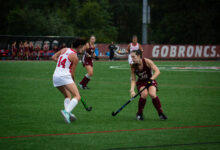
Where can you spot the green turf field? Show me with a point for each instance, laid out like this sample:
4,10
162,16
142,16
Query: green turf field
30,106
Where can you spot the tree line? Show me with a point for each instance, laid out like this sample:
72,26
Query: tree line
172,22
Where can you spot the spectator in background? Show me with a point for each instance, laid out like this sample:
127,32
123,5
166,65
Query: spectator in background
21,50
46,49
31,49
63,46
37,52
26,49
112,48
14,50
55,48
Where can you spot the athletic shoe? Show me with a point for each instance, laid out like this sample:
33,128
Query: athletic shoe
66,116
162,116
140,117
72,117
81,86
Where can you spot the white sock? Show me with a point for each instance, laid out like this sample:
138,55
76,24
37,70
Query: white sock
66,103
87,76
72,105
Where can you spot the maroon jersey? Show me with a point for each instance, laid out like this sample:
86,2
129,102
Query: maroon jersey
88,60
31,48
21,49
14,49
145,73
26,49
90,50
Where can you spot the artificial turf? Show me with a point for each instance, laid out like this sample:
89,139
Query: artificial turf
30,106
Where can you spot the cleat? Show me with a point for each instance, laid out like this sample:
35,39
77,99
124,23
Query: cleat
66,116
72,117
162,116
81,86
140,117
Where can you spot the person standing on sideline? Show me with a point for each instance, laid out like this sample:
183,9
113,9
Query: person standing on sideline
111,48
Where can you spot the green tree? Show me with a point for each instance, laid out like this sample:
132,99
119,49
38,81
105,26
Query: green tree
184,22
36,22
92,19
127,17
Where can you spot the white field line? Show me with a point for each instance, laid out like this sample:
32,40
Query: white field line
176,68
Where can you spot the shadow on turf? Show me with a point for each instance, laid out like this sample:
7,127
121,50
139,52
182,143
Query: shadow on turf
146,118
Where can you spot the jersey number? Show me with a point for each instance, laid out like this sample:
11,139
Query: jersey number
62,62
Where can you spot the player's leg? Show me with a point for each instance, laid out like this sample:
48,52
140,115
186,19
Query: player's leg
27,55
66,94
141,103
72,88
156,102
87,77
67,99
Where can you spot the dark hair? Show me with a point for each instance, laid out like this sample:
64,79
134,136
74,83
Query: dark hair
78,42
134,36
137,52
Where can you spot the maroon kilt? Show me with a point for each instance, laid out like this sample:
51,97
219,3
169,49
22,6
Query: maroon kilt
87,61
140,84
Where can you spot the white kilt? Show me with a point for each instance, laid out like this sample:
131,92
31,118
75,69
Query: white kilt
130,61
62,80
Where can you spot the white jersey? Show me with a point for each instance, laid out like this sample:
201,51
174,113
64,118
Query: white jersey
64,65
134,47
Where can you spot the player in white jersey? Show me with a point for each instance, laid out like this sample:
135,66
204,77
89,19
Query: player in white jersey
132,47
63,77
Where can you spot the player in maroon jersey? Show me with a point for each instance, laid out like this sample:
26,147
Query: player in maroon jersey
21,50
88,49
26,50
14,50
31,49
142,67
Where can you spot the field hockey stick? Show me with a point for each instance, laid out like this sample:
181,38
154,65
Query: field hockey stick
115,113
85,106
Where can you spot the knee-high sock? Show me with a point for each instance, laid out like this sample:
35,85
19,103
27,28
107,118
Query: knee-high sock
141,104
157,105
72,105
85,80
66,103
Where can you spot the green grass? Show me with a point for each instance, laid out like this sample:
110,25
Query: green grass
30,105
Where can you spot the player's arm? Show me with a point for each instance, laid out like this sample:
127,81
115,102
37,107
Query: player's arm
85,48
74,59
141,48
133,82
151,64
56,55
128,49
